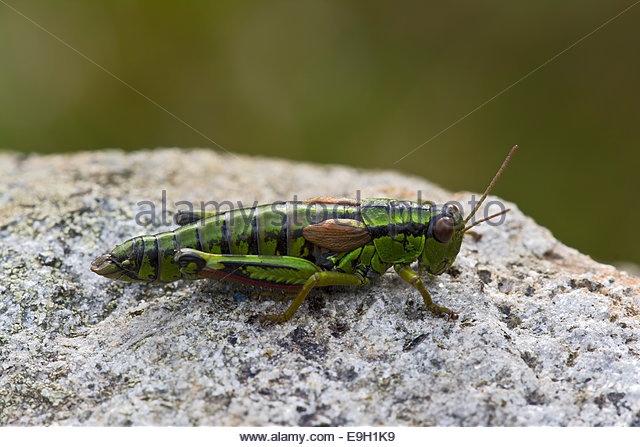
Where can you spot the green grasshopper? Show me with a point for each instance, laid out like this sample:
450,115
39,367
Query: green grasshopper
297,246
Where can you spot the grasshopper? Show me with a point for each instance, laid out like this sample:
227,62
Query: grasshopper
299,245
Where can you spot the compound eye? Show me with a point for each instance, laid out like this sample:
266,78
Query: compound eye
443,229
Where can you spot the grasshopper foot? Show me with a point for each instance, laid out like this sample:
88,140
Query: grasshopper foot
451,314
442,311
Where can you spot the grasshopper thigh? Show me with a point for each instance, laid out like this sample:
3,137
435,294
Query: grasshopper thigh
285,272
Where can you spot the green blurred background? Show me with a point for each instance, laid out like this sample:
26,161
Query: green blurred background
358,83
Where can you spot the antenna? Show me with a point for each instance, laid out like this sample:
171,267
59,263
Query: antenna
485,219
490,187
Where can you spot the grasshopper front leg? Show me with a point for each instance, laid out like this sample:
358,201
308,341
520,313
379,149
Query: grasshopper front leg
285,272
405,272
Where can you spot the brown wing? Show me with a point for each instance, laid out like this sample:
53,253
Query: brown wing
333,201
338,235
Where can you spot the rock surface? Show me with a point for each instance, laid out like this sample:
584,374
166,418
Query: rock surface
545,336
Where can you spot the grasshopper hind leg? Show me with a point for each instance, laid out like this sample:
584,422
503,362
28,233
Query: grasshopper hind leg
318,279
284,272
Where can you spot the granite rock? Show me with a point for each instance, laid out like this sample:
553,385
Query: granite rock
546,335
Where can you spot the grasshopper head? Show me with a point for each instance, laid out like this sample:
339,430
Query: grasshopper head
122,263
447,228
444,237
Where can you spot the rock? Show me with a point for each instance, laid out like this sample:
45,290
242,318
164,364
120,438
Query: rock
545,336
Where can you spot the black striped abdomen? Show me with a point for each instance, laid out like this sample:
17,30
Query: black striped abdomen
272,229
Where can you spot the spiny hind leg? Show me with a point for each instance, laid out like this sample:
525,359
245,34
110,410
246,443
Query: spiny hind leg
286,272
318,279
412,278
